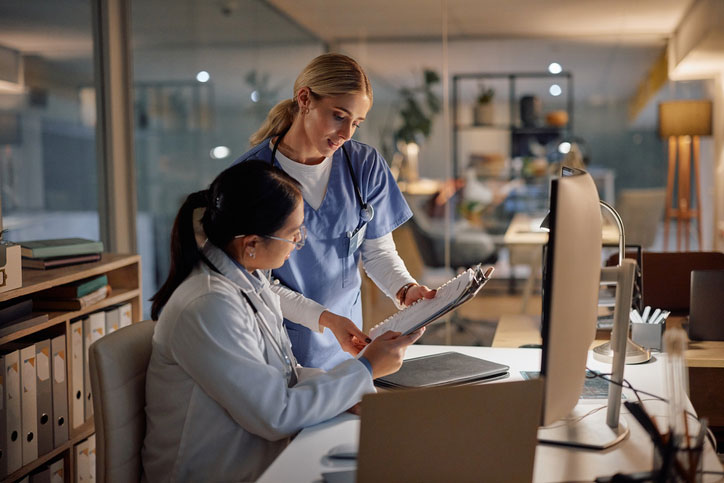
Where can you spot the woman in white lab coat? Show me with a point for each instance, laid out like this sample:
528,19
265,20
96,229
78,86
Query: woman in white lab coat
223,390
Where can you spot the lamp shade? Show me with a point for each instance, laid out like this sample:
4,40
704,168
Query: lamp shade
685,118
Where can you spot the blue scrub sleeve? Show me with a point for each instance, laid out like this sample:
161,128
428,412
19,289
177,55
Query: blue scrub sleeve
367,363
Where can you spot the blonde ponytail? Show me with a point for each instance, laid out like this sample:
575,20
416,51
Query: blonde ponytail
278,120
327,75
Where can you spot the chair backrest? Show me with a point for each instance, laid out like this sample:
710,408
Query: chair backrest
667,277
641,211
118,365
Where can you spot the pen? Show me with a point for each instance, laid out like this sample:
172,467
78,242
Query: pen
636,316
662,317
645,314
654,316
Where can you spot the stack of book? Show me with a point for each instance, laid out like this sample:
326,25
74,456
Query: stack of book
74,296
43,254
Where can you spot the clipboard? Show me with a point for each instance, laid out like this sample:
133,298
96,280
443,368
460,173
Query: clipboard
449,296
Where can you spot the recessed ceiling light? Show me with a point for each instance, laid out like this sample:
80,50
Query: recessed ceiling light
564,147
555,90
220,152
203,76
555,68
255,96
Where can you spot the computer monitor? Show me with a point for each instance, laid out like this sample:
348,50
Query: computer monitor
571,279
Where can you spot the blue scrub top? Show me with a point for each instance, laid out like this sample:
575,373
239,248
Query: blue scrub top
322,270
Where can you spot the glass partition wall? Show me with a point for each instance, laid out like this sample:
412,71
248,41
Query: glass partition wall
48,168
206,73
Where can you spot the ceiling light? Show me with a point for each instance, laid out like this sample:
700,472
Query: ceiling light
555,68
555,90
564,147
203,76
255,96
220,152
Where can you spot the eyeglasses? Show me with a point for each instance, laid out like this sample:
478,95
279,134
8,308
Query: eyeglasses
302,235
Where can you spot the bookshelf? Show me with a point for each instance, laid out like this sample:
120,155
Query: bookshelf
124,277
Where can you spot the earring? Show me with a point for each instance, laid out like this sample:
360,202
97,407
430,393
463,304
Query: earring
305,111
252,254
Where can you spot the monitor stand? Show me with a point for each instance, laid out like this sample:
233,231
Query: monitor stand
599,427
585,428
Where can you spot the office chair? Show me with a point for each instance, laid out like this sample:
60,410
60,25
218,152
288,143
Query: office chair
118,365
468,247
642,211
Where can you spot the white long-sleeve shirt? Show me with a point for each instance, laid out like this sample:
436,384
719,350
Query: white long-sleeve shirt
381,262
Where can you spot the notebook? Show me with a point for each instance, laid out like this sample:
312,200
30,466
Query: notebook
706,305
447,368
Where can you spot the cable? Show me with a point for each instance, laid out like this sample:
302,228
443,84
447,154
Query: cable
591,374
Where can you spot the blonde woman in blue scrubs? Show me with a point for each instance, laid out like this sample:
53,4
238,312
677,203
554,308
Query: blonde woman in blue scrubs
351,206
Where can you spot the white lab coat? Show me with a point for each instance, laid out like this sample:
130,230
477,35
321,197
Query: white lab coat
218,407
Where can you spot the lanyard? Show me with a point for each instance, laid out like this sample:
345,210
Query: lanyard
367,212
290,369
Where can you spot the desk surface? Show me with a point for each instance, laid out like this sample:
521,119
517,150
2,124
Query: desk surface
516,330
304,459
525,229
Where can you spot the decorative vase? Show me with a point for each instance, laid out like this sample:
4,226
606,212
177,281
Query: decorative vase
483,114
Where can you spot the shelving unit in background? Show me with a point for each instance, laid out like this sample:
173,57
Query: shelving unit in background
124,277
519,134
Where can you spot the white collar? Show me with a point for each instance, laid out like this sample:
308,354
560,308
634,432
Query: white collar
246,281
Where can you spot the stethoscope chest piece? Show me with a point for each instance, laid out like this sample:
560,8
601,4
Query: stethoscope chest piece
367,213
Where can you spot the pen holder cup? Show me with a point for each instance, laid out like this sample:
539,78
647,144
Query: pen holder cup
687,467
648,335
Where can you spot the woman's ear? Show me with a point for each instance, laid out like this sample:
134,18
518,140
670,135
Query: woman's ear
304,98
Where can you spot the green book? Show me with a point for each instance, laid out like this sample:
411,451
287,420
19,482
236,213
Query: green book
76,289
61,247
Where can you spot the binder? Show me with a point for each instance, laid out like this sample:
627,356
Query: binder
93,329
41,476
29,404
12,411
3,436
113,319
57,471
45,398
81,462
126,317
92,457
449,296
59,369
76,374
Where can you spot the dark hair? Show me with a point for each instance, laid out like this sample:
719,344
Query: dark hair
249,198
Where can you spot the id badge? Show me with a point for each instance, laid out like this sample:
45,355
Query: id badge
355,239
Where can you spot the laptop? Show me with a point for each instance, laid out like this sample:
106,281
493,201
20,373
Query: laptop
443,369
706,305
484,432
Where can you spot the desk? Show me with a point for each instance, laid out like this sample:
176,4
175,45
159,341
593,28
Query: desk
524,239
304,459
704,358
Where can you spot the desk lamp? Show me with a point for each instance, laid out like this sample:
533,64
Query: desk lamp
635,354
682,122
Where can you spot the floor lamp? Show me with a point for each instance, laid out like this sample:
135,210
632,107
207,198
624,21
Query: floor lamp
682,122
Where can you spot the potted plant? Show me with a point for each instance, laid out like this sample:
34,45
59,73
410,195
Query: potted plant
418,106
483,112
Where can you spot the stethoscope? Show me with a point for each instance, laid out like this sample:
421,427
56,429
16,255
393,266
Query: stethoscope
367,212
290,369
